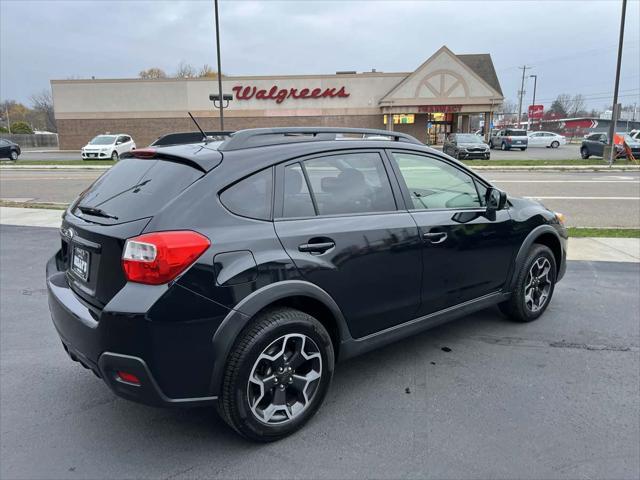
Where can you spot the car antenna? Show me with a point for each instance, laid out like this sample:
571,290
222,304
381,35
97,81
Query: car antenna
205,139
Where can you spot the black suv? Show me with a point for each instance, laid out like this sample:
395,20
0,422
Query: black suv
236,273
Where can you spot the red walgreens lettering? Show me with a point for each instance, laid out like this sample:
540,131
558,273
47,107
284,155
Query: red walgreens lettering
279,95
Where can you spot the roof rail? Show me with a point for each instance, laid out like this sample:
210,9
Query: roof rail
180,138
260,137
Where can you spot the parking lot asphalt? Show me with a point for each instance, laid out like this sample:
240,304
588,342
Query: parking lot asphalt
556,398
589,199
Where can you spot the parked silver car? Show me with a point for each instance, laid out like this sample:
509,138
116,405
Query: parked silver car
508,138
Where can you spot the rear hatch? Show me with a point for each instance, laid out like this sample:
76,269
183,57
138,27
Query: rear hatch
118,206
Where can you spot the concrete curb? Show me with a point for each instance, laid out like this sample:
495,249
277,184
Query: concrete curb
506,168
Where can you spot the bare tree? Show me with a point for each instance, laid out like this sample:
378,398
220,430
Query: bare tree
43,103
578,103
185,70
208,72
152,73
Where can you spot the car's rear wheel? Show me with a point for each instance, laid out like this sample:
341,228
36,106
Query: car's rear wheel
555,144
534,286
14,155
584,153
114,156
277,375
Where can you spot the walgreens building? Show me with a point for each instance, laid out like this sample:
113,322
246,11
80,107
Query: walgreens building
441,96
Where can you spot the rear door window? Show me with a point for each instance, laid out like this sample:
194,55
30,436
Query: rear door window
350,183
251,197
297,198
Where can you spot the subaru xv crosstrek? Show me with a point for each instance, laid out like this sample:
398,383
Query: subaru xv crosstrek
237,273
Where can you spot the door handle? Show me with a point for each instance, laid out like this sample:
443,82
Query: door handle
435,237
316,247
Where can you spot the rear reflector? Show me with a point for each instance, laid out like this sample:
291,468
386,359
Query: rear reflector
157,258
128,377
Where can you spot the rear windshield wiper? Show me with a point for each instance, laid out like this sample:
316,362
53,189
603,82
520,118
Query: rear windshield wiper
96,212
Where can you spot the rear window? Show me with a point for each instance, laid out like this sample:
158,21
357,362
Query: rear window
135,188
516,133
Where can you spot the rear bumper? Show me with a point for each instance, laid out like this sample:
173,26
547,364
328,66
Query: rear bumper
173,360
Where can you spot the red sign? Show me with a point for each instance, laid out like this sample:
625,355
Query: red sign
536,112
281,94
439,108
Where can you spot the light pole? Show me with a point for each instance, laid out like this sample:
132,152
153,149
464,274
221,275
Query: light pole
614,110
524,69
220,96
535,83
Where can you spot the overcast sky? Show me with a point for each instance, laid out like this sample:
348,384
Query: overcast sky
571,44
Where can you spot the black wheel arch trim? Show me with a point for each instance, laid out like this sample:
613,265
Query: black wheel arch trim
529,240
238,318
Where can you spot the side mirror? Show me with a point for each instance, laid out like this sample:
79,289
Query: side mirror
496,199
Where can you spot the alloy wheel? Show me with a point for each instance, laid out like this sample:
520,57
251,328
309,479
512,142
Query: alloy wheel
538,285
284,379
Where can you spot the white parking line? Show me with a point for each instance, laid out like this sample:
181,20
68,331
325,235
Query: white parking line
623,182
584,198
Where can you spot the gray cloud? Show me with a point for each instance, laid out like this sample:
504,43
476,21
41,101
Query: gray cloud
571,44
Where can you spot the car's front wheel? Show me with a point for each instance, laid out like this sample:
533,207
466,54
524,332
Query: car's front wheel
490,144
277,375
584,153
114,156
14,155
534,286
503,146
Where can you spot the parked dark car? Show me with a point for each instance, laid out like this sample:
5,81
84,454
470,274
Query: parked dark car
509,138
8,149
237,273
466,146
594,143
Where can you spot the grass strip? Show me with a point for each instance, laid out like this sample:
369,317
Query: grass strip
604,232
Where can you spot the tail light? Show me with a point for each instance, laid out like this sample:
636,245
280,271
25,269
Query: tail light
144,153
159,257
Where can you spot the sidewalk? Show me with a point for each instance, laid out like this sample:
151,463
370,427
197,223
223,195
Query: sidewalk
589,249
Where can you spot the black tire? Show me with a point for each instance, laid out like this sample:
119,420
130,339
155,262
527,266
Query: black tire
487,156
503,147
266,329
115,156
523,149
584,153
13,155
516,307
490,145
457,156
555,144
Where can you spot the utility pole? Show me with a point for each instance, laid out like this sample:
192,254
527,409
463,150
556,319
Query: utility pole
524,69
215,2
535,84
614,112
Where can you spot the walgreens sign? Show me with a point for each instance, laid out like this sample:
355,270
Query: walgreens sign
279,95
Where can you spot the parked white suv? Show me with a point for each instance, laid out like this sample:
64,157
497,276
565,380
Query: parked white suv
109,146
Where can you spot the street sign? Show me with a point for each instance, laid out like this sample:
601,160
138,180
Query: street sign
536,112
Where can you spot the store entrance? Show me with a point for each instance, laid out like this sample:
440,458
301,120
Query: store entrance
439,125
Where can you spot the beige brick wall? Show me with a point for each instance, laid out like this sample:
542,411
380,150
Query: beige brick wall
74,134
